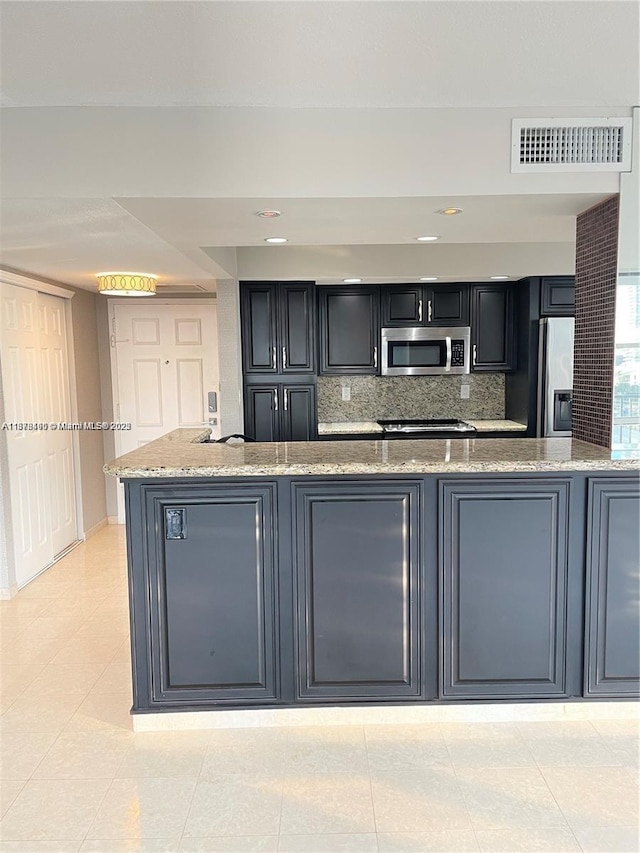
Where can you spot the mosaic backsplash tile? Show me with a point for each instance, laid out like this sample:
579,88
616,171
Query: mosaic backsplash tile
383,397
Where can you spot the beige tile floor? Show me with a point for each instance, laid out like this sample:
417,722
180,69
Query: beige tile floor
75,777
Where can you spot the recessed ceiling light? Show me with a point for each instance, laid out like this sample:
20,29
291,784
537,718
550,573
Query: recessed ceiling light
499,277
352,280
429,239
275,239
430,278
450,211
268,213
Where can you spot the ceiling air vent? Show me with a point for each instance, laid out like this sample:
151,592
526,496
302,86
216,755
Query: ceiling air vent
571,145
180,288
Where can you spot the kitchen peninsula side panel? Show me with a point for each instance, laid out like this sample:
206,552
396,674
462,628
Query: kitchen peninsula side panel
212,592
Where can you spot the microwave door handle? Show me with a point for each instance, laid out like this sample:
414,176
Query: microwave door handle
448,365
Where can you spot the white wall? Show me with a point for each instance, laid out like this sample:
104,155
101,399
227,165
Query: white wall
230,359
460,261
231,152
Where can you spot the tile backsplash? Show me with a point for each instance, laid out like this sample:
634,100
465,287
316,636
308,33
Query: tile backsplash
383,397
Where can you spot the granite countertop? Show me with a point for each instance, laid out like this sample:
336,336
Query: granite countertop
181,454
345,428
361,427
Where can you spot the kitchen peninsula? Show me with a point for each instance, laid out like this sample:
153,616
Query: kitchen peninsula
342,572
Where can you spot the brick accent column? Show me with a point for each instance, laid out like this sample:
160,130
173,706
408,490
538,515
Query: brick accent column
596,275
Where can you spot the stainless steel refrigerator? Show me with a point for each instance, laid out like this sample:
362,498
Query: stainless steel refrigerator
555,376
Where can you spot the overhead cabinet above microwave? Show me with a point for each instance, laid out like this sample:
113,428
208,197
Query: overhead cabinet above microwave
428,305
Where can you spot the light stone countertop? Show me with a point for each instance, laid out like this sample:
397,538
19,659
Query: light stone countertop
180,454
496,426
344,428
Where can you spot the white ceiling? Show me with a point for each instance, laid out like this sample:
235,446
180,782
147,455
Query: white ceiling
97,196
479,53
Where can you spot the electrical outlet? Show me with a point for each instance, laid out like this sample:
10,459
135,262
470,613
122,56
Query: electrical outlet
464,392
346,393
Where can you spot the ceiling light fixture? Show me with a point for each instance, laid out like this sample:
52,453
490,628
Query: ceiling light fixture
268,213
126,283
429,239
275,239
352,280
499,277
430,278
450,211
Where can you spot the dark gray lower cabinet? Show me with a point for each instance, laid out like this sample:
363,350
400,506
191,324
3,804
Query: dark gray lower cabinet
504,563
356,574
280,412
249,591
213,593
612,648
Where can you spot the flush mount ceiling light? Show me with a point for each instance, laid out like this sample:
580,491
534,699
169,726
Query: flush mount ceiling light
429,239
275,239
352,280
499,277
450,211
430,278
268,213
127,283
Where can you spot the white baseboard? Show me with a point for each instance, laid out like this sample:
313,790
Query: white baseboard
380,715
112,519
96,527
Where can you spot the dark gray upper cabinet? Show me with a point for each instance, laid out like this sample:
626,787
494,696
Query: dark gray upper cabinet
492,327
504,565
349,329
259,316
280,412
402,305
356,561
612,649
213,593
278,325
431,305
447,305
557,296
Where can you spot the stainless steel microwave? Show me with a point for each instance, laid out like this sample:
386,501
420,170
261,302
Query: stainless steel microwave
426,352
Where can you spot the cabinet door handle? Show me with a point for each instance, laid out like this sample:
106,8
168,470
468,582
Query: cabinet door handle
286,399
475,353
275,399
273,357
375,356
429,311
420,311
284,358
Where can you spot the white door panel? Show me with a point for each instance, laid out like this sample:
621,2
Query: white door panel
55,379
166,362
36,389
26,449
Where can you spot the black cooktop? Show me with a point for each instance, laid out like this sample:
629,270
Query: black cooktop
426,426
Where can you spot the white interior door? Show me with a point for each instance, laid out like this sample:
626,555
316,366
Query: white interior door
166,357
56,408
36,391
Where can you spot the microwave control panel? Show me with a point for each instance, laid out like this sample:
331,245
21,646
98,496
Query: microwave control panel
457,353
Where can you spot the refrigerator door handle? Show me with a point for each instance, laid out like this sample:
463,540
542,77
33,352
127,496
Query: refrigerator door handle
542,379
